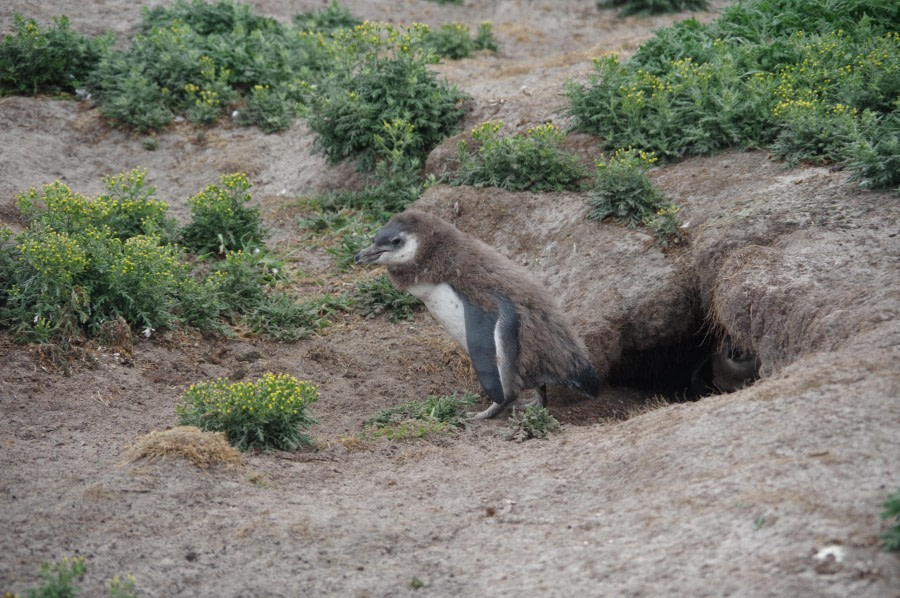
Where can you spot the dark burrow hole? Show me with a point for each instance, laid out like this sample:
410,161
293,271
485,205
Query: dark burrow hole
697,364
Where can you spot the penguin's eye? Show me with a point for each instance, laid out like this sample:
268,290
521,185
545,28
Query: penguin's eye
396,241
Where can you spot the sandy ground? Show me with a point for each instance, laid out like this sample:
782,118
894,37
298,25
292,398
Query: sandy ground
742,494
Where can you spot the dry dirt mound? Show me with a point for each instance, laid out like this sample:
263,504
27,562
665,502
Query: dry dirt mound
743,494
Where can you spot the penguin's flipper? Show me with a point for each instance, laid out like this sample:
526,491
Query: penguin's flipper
492,339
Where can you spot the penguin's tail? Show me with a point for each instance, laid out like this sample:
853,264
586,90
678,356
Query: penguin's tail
587,381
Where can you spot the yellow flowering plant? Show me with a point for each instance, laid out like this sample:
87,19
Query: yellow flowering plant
268,414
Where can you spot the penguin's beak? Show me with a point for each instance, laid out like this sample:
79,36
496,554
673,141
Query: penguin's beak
368,255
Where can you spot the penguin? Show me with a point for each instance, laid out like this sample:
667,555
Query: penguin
507,322
723,371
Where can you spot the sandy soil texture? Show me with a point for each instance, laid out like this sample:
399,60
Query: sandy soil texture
773,490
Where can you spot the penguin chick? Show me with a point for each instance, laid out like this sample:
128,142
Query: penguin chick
500,315
727,370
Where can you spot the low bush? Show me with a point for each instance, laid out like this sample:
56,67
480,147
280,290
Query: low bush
378,295
59,581
328,19
623,190
454,41
892,514
434,415
652,7
807,78
269,414
84,262
533,422
533,161
201,60
281,317
379,74
221,219
55,59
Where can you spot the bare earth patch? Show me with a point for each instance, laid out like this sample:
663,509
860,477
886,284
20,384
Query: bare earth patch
772,490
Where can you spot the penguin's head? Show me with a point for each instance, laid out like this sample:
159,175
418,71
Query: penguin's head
395,244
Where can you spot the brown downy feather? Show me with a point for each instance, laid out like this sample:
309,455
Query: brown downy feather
550,349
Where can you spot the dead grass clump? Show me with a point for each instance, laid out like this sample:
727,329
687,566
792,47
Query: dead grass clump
187,442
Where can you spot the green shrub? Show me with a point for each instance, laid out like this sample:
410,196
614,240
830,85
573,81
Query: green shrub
269,414
378,295
59,579
874,156
329,19
221,220
54,59
623,190
534,161
808,76
86,261
434,415
380,75
281,318
454,42
200,60
533,422
82,262
666,226
892,512
652,7
269,109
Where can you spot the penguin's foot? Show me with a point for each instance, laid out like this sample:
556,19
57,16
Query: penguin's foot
490,412
534,398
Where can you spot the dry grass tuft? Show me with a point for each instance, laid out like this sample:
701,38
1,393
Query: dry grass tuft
187,442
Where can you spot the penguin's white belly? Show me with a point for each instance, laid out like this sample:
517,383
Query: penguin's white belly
446,307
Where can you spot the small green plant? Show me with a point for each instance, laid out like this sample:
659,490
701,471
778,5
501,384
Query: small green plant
623,190
269,414
200,60
892,514
533,422
378,295
534,161
269,109
221,219
811,80
281,318
434,415
119,587
666,226
59,579
380,74
453,40
329,19
54,59
83,262
652,7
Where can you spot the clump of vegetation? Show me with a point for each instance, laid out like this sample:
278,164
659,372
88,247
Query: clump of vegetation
533,422
892,512
59,581
533,161
222,219
378,295
269,414
201,60
623,190
83,263
434,415
815,82
666,226
328,20
54,59
453,40
281,317
652,7
379,74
